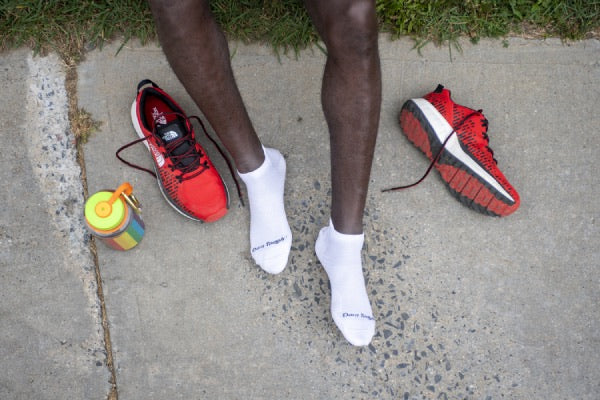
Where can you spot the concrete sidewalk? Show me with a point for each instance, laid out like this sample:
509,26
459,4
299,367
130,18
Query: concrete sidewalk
467,306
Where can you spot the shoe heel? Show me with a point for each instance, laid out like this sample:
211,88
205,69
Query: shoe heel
411,125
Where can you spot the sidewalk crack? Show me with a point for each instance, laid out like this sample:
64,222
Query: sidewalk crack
82,125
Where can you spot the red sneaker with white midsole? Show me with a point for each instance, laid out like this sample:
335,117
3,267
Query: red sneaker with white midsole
457,136
187,178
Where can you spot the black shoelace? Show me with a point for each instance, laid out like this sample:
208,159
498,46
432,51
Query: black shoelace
484,122
188,162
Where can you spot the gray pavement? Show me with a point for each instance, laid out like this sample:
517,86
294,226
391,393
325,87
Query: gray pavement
467,306
51,337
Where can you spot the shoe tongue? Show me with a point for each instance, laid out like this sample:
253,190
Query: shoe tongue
171,132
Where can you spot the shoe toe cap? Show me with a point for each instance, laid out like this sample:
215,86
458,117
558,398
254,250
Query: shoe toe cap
206,198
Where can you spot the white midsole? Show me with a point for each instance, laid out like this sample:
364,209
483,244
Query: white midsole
136,124
442,130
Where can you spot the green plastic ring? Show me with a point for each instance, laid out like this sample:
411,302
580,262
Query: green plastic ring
109,222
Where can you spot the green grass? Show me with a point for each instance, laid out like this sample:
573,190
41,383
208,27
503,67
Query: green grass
72,26
444,20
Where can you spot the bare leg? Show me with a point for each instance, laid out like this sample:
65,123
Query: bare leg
198,54
351,97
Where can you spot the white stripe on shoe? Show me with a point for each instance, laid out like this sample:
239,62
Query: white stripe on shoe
442,130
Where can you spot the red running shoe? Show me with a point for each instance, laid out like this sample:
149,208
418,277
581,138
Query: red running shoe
185,174
455,140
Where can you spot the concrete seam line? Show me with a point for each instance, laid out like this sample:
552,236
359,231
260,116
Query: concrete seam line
53,152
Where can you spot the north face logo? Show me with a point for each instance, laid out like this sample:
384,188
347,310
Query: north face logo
158,116
160,160
169,135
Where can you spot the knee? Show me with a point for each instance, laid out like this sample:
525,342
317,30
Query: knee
178,20
176,12
353,32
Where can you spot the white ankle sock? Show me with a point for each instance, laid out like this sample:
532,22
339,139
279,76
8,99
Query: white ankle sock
270,234
340,255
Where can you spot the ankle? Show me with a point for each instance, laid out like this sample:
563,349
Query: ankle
346,226
250,161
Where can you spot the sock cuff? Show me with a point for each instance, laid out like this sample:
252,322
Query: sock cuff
345,237
258,172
